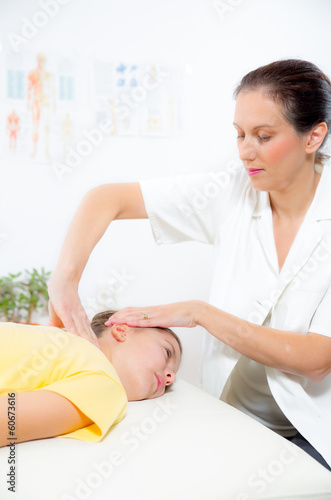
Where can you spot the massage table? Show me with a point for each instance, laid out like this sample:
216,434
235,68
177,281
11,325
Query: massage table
186,445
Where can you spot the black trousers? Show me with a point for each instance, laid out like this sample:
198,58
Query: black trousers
300,441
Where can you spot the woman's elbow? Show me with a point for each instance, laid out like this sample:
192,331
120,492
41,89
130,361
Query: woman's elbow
318,359
320,372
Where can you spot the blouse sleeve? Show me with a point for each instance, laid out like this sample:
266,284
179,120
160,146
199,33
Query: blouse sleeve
98,396
192,207
321,321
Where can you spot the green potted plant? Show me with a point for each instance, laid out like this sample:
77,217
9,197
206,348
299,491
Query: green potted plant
23,294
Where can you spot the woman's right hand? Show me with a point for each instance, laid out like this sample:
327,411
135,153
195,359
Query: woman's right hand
99,207
65,310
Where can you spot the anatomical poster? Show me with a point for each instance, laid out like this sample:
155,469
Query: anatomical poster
136,99
39,116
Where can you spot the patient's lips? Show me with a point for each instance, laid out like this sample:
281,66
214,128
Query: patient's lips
160,382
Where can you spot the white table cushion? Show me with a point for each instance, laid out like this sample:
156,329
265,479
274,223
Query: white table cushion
186,445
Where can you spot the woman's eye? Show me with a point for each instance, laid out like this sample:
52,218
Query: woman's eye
264,139
168,353
240,137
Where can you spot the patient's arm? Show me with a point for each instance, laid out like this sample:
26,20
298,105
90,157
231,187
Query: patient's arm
39,414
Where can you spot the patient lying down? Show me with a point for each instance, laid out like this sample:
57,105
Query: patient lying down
53,383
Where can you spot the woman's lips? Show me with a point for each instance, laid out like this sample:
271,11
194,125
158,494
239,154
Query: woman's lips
254,171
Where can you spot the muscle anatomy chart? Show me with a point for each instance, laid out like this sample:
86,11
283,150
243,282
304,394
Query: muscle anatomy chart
40,106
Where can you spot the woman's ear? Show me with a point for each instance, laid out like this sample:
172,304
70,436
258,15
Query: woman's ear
316,137
119,332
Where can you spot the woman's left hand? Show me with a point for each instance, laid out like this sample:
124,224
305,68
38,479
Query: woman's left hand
177,314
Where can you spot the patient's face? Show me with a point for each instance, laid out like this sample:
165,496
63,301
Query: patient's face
146,362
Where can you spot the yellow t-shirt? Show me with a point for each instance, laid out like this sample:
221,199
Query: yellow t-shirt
38,357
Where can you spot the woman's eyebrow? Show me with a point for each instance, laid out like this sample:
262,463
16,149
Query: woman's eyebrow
269,125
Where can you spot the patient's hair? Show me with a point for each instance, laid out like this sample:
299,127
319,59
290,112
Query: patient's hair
98,326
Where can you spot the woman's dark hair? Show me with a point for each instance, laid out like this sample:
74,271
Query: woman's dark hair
98,326
302,89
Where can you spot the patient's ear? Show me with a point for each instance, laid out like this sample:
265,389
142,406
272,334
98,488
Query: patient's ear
119,332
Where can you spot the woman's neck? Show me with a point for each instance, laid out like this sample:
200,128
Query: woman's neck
293,202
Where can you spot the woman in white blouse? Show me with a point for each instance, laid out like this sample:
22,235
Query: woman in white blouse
269,314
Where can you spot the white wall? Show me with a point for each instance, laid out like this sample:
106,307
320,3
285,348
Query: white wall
36,208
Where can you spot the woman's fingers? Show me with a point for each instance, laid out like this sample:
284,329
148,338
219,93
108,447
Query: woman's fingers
82,327
69,313
54,320
137,316
166,316
78,324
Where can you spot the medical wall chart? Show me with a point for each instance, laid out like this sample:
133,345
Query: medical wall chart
136,99
43,116
39,112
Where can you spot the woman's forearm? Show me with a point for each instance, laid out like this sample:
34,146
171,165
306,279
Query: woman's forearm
98,209
307,355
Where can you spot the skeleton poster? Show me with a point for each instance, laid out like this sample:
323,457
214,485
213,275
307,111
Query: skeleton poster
136,99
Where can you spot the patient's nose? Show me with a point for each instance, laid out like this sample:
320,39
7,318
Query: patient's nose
170,377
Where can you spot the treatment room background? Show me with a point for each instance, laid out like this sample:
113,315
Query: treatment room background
133,89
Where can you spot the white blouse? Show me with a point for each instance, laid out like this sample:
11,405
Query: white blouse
222,209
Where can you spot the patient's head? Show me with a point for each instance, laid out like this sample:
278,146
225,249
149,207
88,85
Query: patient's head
146,359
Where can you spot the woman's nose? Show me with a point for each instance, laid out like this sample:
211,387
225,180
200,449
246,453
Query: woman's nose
170,377
246,151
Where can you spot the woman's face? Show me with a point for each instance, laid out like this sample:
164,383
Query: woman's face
147,362
269,147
